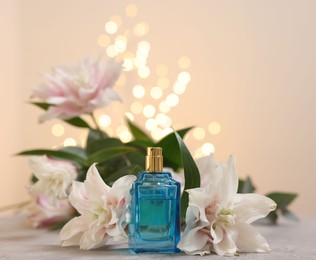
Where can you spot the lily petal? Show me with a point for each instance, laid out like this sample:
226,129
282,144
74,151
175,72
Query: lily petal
78,197
250,207
193,241
121,186
227,246
198,201
228,186
250,240
114,232
217,233
69,232
192,216
209,170
93,238
94,184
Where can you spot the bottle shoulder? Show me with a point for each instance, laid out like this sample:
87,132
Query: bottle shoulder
156,177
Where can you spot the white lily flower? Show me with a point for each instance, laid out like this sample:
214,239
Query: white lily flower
204,167
101,208
44,213
54,177
218,219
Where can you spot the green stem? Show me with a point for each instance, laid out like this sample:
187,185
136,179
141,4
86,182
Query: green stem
128,163
95,122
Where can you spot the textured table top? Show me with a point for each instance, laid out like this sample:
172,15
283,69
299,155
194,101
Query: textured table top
289,241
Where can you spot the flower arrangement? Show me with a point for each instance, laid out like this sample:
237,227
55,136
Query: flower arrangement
85,190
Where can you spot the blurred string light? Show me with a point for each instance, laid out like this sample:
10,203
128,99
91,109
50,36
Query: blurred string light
214,128
117,19
198,133
163,92
131,10
141,29
164,107
207,148
120,43
151,124
105,120
184,62
70,142
172,100
204,150
163,82
125,136
139,91
58,130
149,111
111,51
143,72
111,27
156,92
136,108
156,133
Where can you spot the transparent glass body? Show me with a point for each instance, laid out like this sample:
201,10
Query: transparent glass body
155,213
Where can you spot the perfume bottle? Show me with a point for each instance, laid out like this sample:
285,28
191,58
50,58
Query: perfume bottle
155,208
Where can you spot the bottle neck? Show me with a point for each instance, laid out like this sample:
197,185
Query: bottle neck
154,164
154,159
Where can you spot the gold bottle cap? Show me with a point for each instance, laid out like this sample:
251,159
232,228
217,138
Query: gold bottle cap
154,159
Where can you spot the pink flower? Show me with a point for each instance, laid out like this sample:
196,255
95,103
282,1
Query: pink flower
101,208
72,91
44,213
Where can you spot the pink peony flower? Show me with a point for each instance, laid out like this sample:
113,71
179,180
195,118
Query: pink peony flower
44,213
72,91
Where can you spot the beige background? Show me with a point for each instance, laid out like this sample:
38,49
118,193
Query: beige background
252,66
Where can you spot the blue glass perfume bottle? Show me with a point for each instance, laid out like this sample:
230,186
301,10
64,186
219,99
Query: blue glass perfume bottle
155,208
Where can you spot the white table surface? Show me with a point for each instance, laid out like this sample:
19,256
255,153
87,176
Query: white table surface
289,241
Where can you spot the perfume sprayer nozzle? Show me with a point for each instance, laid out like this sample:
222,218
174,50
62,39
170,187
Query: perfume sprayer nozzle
154,159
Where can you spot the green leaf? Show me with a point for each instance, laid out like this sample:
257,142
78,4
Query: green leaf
75,121
78,122
95,135
33,179
58,154
138,133
289,215
246,186
59,225
272,217
41,105
76,150
170,146
100,144
108,153
128,170
191,173
136,158
82,173
142,144
282,199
